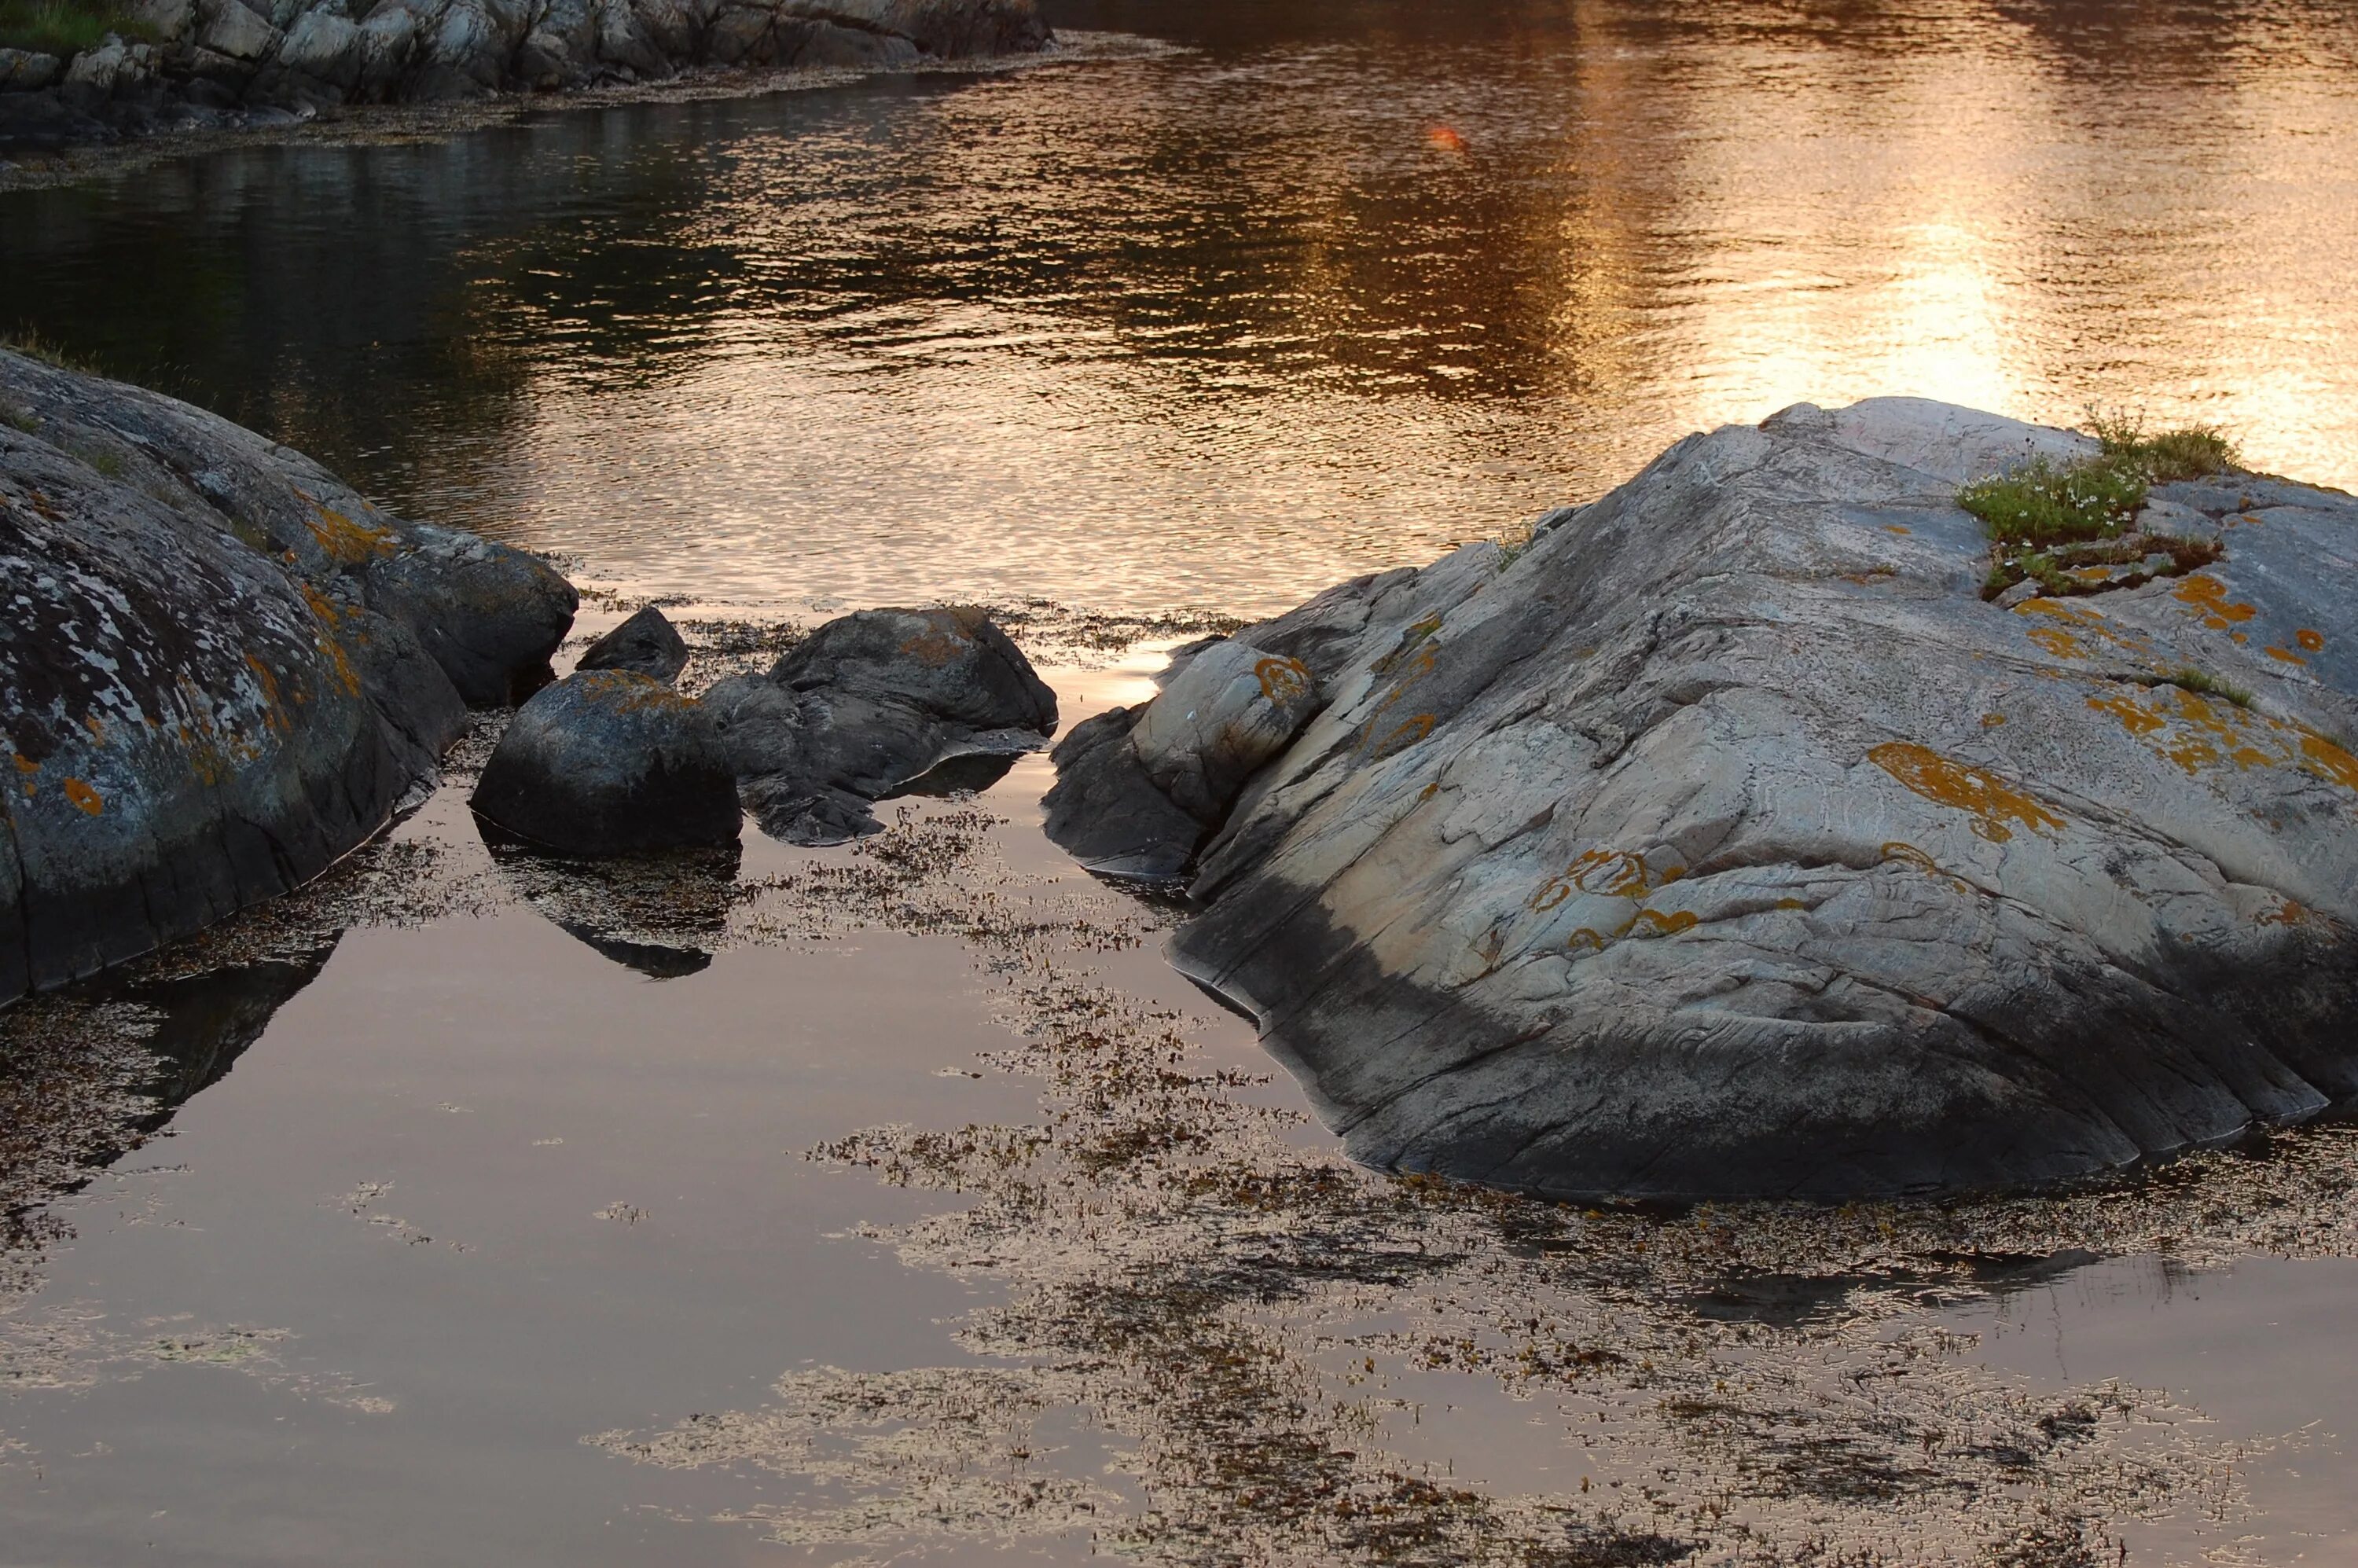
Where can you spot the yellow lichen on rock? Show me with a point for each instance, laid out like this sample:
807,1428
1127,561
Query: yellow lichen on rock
1989,800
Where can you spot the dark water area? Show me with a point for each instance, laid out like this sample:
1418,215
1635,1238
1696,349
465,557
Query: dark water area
897,1202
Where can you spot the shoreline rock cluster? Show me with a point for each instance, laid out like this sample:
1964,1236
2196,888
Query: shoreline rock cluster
612,760
217,64
1724,842
221,668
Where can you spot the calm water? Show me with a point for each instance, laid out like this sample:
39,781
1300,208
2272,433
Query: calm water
1337,285
1289,291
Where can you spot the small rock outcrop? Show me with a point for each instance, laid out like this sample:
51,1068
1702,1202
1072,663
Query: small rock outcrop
1724,842
1138,791
611,763
220,670
868,703
207,63
647,643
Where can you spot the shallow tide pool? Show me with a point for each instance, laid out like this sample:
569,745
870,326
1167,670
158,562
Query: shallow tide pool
896,1202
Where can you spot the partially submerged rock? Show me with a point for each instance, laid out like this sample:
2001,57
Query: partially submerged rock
647,643
611,763
220,670
1724,842
868,703
1138,791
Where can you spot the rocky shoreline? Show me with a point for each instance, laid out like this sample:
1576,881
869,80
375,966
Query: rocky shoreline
224,669
200,66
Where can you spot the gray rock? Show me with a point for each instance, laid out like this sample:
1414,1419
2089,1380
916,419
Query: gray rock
868,703
2029,588
611,763
194,715
1107,814
1726,843
302,54
1232,709
647,643
26,70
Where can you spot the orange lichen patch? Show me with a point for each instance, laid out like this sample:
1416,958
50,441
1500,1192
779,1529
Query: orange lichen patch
272,705
2092,574
326,611
26,764
2057,641
82,796
1428,792
1987,799
1608,873
1790,903
2310,642
1282,680
97,726
1586,940
2137,720
2290,912
936,648
2323,758
1663,924
1406,733
2208,596
1910,855
1896,528
1991,721
628,691
345,542
2284,656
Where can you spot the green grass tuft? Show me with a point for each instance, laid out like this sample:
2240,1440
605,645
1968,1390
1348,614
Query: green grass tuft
33,346
65,27
2044,502
2188,452
2204,684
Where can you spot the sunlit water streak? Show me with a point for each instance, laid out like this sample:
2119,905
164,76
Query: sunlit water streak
1320,291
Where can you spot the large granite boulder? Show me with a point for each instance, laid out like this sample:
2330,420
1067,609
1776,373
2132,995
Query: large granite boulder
227,62
1724,841
611,763
221,669
867,705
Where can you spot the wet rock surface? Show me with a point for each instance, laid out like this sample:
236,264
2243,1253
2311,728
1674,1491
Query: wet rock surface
611,763
867,705
647,643
1724,842
227,63
221,668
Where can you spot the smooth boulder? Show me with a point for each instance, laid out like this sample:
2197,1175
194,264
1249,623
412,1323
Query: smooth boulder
222,669
1139,790
1724,842
647,643
868,704
611,763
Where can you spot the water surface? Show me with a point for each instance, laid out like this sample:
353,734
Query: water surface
899,1203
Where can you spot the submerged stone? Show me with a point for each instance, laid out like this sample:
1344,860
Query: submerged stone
1724,842
870,705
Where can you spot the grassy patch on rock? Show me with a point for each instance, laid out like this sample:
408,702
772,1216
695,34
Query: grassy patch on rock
65,27
2051,522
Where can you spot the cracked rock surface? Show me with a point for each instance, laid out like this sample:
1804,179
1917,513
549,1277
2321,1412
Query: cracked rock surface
1724,842
221,668
214,61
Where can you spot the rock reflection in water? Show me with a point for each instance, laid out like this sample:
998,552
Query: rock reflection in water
659,913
